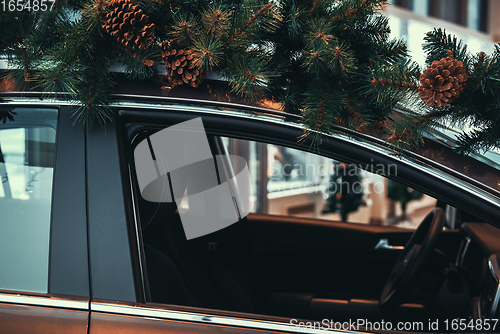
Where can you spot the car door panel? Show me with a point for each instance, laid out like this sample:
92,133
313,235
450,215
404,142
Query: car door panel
28,314
333,256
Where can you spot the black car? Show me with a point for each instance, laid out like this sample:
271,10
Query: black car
95,233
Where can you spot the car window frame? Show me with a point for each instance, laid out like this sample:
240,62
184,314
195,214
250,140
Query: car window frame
433,182
134,119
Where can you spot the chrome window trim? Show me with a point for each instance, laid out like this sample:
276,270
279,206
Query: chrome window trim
201,318
477,305
137,228
37,97
495,271
44,301
277,117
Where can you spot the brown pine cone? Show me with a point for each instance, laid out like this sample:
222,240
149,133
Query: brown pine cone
128,24
180,65
442,82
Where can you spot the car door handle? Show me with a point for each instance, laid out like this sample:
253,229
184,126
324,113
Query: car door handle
384,244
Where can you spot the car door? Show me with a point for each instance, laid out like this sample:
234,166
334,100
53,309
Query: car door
119,272
44,285
120,298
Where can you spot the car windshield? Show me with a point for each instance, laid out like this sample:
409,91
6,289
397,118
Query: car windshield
489,157
483,166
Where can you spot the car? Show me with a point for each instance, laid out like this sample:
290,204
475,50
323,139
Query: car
189,215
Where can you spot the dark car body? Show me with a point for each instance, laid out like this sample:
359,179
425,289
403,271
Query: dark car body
97,280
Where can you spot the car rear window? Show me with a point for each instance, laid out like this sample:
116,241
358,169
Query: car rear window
27,141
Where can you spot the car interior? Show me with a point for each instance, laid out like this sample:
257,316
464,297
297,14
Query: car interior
315,269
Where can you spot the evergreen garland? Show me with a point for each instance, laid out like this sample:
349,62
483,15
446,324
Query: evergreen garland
329,60
477,106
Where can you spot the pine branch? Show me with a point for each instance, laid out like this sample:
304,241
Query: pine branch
93,85
411,134
249,76
391,52
355,8
319,34
293,20
184,29
141,64
393,84
322,107
438,43
355,116
208,53
251,21
478,141
216,21
314,7
315,61
342,60
26,62
374,29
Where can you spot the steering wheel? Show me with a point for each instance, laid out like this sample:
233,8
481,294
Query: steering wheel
411,260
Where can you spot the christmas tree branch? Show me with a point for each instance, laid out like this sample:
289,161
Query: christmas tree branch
417,125
216,21
26,62
329,60
355,116
314,6
353,11
251,21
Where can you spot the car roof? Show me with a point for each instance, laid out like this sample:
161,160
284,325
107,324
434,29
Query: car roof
214,96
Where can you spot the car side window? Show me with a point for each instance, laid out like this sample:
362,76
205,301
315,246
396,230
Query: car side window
297,183
26,169
194,190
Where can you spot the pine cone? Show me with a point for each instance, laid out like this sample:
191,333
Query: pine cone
180,65
442,82
128,24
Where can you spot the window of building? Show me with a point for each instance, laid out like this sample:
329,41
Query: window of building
26,170
470,13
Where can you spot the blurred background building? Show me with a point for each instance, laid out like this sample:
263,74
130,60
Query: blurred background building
473,21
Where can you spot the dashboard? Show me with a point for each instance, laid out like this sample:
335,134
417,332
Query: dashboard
479,258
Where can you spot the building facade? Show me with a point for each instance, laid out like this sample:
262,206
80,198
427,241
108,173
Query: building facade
473,21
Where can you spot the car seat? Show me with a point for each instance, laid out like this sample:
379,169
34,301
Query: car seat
212,271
